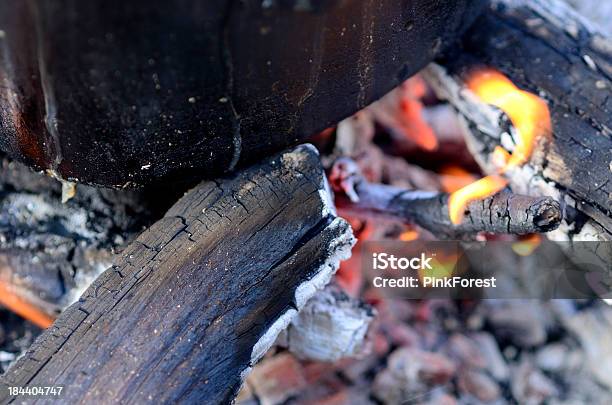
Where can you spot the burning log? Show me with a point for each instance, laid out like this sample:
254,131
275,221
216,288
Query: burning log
552,52
200,296
503,212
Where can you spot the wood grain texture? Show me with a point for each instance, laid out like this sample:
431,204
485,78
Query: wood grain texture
176,320
547,49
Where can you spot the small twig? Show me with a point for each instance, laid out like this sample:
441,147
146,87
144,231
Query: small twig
502,213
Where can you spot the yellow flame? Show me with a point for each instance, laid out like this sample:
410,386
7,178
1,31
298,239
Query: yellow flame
441,267
530,117
483,188
528,113
500,157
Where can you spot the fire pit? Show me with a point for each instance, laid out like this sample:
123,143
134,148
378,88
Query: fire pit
351,269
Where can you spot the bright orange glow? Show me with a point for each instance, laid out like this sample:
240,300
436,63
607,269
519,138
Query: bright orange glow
527,244
480,189
528,113
409,235
454,170
23,308
453,178
415,128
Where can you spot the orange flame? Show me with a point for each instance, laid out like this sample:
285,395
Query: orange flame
453,178
530,117
528,113
483,188
409,235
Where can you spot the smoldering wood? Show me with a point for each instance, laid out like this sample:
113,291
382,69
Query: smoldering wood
331,326
504,212
546,48
199,296
50,250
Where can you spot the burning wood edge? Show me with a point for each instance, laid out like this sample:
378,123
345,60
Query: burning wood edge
503,212
330,327
546,48
199,296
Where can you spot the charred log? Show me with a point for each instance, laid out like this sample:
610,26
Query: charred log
200,295
504,212
147,91
545,48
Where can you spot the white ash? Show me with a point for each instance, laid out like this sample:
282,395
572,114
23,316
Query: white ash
340,249
331,326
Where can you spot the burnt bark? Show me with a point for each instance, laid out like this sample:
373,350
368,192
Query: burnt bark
199,296
502,213
547,49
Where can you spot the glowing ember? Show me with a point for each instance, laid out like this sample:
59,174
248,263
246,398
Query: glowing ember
480,189
453,178
23,308
528,113
530,117
527,244
409,235
415,127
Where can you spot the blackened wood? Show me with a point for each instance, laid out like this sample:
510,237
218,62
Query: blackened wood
503,213
49,249
199,296
142,91
545,48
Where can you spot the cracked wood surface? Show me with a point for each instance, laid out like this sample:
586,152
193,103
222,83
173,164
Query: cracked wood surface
177,318
545,48
502,213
